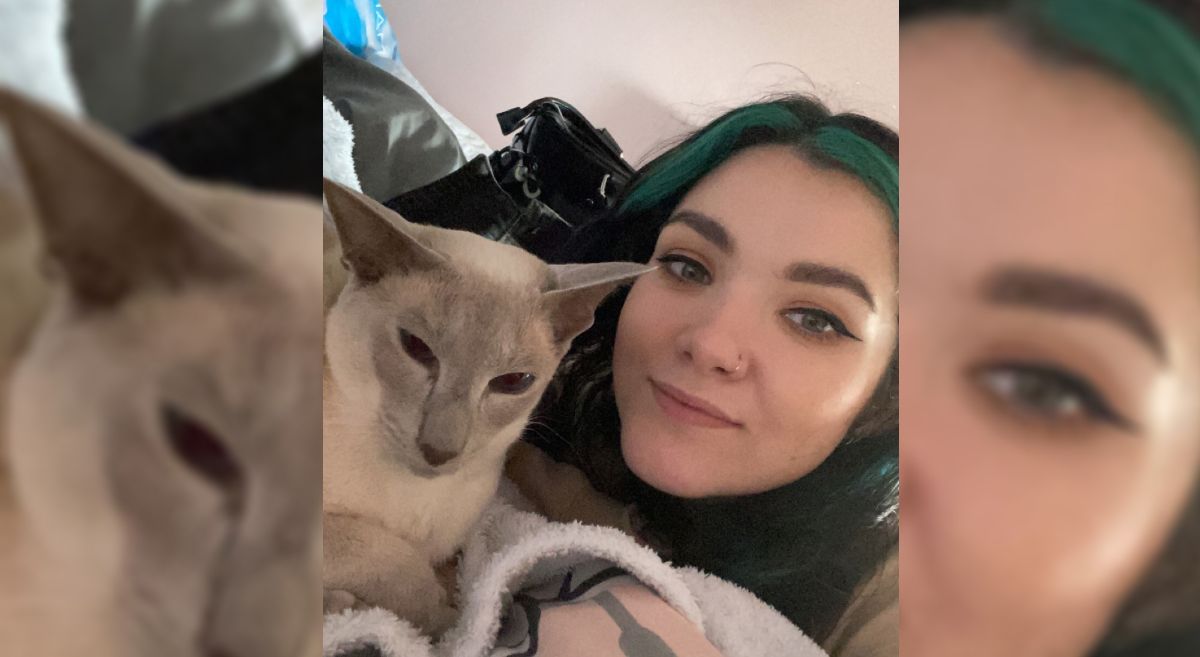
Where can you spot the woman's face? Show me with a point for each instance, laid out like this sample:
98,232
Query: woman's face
1050,427
741,362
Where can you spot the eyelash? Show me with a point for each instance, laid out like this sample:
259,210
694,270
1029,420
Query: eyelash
838,328
1083,398
686,264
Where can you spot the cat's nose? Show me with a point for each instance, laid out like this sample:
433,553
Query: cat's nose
434,456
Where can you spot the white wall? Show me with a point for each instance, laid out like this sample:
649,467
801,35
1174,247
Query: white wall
648,70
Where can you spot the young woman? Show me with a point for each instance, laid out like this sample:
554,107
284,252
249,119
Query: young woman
1051,434
741,399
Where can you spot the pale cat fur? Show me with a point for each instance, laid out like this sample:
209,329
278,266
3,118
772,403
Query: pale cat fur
166,293
392,513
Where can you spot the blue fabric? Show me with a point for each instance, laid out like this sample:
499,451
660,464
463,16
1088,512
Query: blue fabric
362,27
346,25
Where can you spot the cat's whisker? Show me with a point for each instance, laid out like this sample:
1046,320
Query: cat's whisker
551,433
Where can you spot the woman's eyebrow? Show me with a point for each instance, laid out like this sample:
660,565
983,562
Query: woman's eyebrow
829,276
798,272
1065,293
708,228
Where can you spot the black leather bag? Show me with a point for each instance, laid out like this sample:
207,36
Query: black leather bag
559,175
560,158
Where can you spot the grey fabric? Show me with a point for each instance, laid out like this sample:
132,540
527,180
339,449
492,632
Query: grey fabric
400,142
140,62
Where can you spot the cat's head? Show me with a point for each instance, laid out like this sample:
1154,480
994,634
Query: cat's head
444,340
165,421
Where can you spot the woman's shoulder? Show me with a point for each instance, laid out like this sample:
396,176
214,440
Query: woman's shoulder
599,609
741,623
871,624
525,552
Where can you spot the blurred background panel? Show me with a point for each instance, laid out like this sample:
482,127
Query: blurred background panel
1050,395
159,327
139,62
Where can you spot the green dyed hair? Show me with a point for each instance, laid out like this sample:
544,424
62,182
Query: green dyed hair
1139,42
1151,44
805,125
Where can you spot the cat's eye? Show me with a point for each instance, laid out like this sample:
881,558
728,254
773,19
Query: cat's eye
417,349
511,384
201,450
1048,394
819,323
685,269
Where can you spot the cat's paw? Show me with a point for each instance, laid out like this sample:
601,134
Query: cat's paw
447,576
335,601
439,619
431,611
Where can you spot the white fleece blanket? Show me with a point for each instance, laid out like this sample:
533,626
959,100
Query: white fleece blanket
32,56
510,550
337,141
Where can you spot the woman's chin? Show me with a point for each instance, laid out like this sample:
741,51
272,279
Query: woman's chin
656,463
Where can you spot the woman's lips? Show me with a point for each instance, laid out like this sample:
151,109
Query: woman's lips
689,409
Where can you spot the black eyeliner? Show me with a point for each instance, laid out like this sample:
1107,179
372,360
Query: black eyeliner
1093,401
838,326
674,257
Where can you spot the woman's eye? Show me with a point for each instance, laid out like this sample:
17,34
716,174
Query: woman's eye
686,269
818,322
417,349
1048,394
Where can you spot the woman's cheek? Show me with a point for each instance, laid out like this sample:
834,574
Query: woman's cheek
819,385
1049,512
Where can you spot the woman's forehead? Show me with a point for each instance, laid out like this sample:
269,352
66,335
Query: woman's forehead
776,208
1013,161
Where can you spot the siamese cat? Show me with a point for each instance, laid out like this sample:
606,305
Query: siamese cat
436,351
161,417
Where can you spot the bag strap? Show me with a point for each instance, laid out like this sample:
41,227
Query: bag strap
511,120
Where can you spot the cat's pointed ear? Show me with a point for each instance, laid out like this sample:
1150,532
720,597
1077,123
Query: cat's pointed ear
112,220
578,291
371,244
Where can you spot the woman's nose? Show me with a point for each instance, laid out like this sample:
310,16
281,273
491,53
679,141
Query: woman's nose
714,344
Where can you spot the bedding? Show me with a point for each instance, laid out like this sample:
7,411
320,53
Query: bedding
514,558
